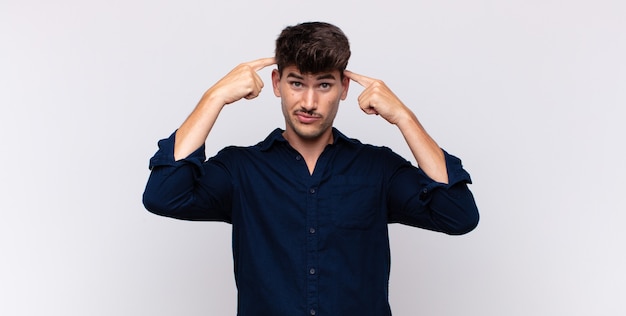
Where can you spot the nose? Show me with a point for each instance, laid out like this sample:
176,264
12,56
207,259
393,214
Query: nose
309,100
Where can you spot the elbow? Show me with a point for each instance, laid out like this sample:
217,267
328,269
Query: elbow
456,219
465,219
457,210
160,198
159,202
154,204
464,224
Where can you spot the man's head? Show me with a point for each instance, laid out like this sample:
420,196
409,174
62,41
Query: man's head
311,59
312,47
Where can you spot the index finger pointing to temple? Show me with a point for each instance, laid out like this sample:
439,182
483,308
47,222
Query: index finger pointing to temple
360,79
262,63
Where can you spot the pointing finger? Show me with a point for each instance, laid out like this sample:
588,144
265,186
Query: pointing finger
262,63
360,79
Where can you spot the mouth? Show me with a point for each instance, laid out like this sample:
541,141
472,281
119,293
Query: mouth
307,117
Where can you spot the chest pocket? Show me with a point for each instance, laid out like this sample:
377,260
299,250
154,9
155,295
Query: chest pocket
356,202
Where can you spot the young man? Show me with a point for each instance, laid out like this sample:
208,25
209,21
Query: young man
309,206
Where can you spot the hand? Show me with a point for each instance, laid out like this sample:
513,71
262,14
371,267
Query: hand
241,82
378,99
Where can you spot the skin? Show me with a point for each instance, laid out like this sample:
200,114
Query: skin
309,104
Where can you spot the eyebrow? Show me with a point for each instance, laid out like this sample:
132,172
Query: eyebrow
320,77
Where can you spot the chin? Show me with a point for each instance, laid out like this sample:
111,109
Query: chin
311,134
308,136
308,132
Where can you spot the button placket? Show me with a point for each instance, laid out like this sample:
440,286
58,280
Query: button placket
312,246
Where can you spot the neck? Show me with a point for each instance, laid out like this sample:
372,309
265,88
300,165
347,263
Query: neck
310,149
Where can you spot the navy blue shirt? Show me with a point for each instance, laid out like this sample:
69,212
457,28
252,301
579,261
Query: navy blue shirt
309,244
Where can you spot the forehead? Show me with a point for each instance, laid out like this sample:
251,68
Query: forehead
294,72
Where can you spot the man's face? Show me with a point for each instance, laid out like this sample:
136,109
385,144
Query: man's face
309,101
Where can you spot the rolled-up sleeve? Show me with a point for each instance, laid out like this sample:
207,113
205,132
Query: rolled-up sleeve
189,189
417,200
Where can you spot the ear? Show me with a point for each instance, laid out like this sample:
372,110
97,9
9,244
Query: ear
276,82
345,83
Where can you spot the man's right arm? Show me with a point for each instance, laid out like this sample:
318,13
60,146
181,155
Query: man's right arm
241,82
179,189
177,186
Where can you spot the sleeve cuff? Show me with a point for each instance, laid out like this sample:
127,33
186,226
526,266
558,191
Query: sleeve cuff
165,155
456,174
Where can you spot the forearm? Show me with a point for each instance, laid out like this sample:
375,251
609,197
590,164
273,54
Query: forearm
196,128
241,82
429,156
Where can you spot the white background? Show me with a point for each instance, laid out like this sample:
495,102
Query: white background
530,94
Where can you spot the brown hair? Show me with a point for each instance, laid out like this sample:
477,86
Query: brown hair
312,47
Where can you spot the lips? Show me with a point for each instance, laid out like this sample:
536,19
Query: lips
307,118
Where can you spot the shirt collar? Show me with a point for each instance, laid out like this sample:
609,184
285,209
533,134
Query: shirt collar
277,136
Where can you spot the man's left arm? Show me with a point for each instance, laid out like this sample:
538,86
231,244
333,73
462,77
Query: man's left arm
438,197
378,99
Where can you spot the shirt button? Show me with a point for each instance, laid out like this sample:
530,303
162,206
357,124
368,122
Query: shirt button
312,312
298,157
312,230
312,271
312,190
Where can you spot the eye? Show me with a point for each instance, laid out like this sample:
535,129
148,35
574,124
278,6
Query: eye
325,85
296,84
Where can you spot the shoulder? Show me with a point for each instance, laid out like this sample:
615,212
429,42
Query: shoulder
375,153
236,153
